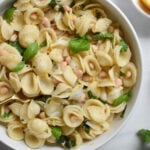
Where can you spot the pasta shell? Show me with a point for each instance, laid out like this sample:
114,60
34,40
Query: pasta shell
15,130
73,115
40,4
15,108
30,90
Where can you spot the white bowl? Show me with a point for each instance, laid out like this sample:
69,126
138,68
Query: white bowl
140,9
116,14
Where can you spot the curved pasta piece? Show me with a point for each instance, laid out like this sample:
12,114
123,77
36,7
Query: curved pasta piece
27,68
62,91
96,111
33,109
24,113
114,93
116,37
15,108
6,27
40,4
91,65
68,20
99,92
42,64
30,90
39,128
129,81
14,81
32,141
10,57
106,46
118,109
18,21
6,119
77,138
59,23
15,130
102,25
52,139
77,92
56,55
73,115
114,73
95,129
121,58
70,76
106,83
3,76
36,19
46,85
23,5
54,108
67,130
5,91
55,121
28,35
64,2
104,58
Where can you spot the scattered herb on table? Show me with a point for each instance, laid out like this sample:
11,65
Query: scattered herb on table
144,135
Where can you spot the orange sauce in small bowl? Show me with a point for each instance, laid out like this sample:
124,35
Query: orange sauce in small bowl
143,6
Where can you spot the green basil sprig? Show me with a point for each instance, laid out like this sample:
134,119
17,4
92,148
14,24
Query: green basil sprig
79,44
19,67
56,131
8,14
101,36
31,51
121,99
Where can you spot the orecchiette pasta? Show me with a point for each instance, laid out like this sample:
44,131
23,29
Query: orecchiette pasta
71,68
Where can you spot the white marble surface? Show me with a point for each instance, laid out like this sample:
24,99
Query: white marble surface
127,138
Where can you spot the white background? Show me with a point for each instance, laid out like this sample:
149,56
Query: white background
127,138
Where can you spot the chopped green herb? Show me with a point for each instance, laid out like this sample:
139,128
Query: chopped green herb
122,74
91,96
43,98
43,44
72,3
31,51
19,67
144,135
6,115
56,131
85,127
123,112
79,44
122,99
66,141
124,46
52,4
17,45
100,36
8,14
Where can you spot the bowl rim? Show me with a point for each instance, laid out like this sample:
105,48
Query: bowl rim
140,76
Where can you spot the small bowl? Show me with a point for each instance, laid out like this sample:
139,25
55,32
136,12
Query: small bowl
141,8
130,35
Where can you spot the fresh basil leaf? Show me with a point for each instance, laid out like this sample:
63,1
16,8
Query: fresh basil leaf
101,36
79,44
19,67
6,115
121,99
85,127
17,45
31,51
144,135
56,131
8,14
124,46
52,4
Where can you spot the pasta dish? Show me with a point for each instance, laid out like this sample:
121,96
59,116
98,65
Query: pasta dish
70,68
